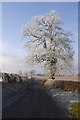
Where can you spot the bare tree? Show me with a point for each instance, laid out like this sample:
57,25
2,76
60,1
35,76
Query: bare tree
48,43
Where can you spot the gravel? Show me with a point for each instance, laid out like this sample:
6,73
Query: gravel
64,98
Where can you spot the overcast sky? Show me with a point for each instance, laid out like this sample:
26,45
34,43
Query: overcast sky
15,15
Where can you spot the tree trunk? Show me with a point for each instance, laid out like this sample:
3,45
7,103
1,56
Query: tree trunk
52,69
51,76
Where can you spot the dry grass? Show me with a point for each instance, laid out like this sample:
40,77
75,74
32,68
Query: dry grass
41,77
68,78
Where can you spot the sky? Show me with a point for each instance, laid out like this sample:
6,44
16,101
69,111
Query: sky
40,0
16,14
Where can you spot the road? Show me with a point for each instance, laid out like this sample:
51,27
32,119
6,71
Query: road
35,103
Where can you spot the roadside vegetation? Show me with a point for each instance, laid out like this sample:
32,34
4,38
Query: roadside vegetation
75,110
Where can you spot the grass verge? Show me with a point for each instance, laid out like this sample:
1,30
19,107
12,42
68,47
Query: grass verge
75,110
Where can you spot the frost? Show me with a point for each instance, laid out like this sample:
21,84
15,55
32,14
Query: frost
49,43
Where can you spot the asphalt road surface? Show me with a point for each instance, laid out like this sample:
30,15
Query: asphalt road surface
35,103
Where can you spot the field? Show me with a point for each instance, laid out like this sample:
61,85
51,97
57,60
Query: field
68,78
68,83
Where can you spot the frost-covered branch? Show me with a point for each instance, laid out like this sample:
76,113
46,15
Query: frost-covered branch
48,42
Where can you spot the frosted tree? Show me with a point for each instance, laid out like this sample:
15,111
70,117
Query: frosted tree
48,43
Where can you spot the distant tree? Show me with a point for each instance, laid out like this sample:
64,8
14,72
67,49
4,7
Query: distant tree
31,73
25,74
47,42
20,73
